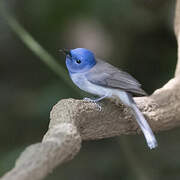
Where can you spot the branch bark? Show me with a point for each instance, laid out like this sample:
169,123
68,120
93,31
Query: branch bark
74,120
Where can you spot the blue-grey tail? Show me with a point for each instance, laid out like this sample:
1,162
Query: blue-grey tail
128,100
149,135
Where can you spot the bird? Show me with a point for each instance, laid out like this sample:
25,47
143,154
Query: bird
102,79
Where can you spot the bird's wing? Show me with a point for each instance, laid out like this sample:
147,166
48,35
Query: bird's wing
106,75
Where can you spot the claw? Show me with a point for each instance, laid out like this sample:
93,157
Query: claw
93,101
98,106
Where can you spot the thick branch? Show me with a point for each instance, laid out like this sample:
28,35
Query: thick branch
70,117
162,110
73,120
60,144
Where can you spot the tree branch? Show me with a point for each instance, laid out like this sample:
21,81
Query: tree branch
59,144
75,120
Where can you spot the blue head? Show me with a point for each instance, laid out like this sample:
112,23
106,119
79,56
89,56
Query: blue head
79,60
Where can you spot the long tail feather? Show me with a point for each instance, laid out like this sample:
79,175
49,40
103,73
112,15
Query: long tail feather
128,100
149,135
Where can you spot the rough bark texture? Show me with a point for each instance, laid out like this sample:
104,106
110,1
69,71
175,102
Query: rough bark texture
75,120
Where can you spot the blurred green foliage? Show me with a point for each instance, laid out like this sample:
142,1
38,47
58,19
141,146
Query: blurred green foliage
140,40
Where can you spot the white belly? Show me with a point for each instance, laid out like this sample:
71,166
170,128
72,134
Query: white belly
81,81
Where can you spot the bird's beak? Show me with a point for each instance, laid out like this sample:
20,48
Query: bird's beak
65,52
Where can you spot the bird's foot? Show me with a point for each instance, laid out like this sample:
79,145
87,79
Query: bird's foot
89,100
93,101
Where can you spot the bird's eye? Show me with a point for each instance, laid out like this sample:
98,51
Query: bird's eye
78,61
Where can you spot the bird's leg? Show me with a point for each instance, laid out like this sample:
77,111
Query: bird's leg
100,98
96,100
